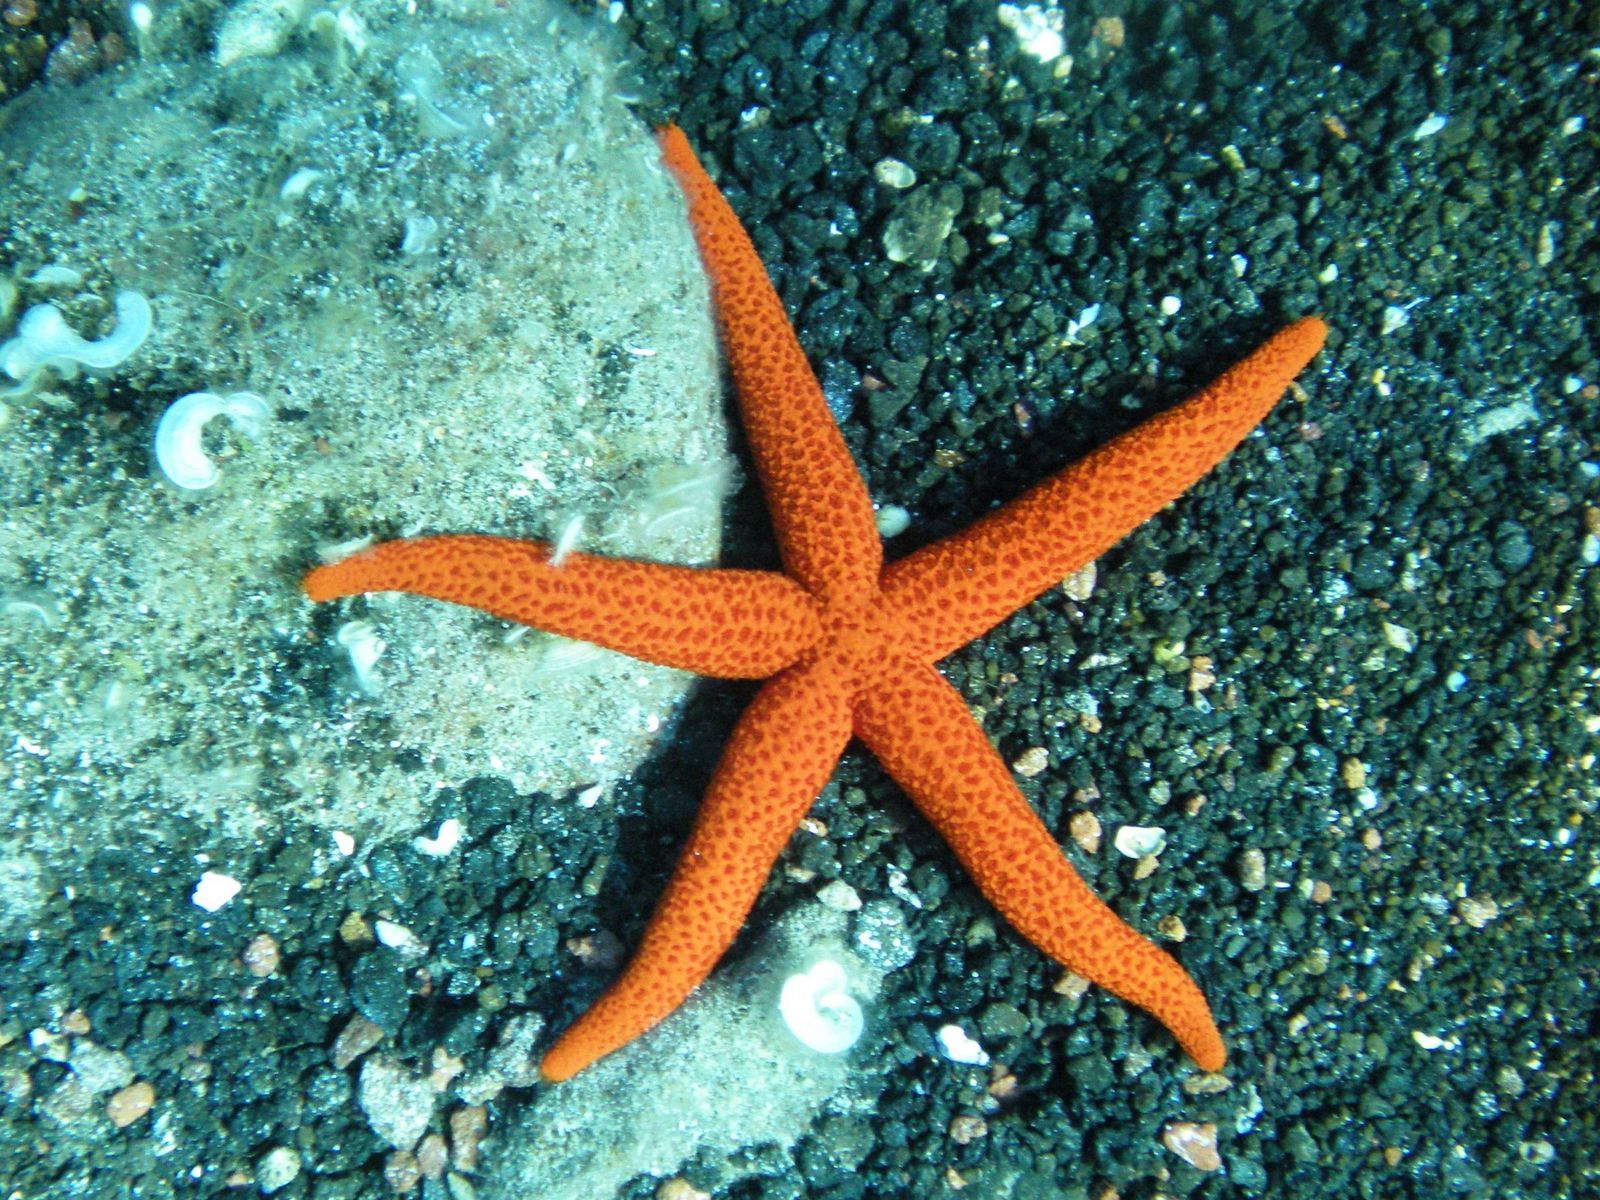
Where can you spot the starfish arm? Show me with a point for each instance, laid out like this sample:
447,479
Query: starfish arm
777,760
921,731
820,509
954,590
728,624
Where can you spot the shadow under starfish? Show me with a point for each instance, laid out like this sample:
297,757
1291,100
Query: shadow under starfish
848,647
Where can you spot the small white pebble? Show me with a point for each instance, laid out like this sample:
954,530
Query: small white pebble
892,520
215,890
398,937
840,896
1137,841
957,1046
344,843
891,172
1170,306
299,183
1429,127
448,837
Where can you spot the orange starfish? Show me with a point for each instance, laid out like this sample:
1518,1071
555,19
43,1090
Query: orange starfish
850,647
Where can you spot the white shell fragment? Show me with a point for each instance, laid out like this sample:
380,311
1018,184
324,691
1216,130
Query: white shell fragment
178,450
818,1009
361,642
215,890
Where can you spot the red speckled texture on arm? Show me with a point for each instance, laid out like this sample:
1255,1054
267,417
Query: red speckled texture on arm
820,509
781,753
727,624
957,588
920,730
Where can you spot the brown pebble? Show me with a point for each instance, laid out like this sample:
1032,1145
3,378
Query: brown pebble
1080,584
131,1103
467,1127
1071,985
18,13
1252,870
1195,1144
1321,892
1354,773
357,1037
76,1022
261,955
954,1180
1171,928
1477,911
1146,866
1111,31
967,1129
1031,762
1084,828
433,1156
680,1189
401,1172
1372,839
354,930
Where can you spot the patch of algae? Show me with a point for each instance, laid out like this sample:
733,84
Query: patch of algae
443,251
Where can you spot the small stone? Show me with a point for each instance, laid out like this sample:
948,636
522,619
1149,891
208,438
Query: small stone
1252,870
214,890
467,1127
1140,841
1031,762
278,1168
77,1023
99,1070
357,1037
261,955
958,1046
1071,985
840,896
401,1172
1207,1083
433,1156
1195,1144
1477,911
680,1189
1110,31
1321,892
354,930
1371,839
1354,773
966,1129
1171,928
1081,583
1084,828
1146,866
398,1105
131,1103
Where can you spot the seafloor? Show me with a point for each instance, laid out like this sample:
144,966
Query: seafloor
1353,674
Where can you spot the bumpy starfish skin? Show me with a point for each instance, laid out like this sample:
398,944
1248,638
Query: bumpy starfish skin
849,646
